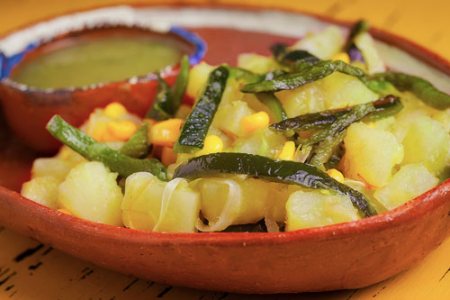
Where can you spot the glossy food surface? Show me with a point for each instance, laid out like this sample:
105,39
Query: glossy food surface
100,60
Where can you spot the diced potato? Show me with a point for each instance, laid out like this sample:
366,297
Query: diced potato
411,181
90,191
370,154
256,63
198,76
443,116
250,205
426,141
335,91
342,90
42,190
263,142
55,167
183,208
141,207
366,45
141,203
324,44
229,115
313,208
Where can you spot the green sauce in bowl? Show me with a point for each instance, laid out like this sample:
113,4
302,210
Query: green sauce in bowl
80,62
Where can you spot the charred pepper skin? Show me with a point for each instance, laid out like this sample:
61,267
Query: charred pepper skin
197,124
288,172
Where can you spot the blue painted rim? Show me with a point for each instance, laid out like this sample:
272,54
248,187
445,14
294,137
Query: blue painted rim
8,63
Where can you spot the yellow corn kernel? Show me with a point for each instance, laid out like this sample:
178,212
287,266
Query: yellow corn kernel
335,174
165,133
115,110
342,56
254,122
121,130
100,132
288,151
213,144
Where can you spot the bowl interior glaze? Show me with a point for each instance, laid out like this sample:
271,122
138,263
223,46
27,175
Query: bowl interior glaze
342,256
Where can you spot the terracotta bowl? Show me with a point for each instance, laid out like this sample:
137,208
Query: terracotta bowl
36,106
343,256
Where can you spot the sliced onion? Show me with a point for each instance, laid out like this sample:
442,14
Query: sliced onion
169,189
229,212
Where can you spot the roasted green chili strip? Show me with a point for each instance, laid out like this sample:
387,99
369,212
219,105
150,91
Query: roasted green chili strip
196,127
384,107
294,59
422,88
168,100
325,149
355,114
310,74
289,172
137,146
274,105
91,150
360,27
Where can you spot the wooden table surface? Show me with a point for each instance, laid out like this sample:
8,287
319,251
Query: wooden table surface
30,270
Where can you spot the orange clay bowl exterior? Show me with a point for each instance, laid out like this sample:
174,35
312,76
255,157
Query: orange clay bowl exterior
36,106
342,256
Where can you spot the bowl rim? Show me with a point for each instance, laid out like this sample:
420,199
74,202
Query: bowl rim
185,35
404,213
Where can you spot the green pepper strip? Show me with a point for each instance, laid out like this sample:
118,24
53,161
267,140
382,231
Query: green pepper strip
384,107
137,146
355,114
274,105
289,172
196,127
310,74
423,89
294,59
91,150
243,74
168,100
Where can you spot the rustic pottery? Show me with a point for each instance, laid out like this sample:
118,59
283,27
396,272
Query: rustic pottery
343,256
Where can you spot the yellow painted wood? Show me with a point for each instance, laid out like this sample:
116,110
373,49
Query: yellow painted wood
50,274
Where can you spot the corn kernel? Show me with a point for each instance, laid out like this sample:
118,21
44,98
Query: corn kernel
254,122
165,133
335,174
100,132
115,110
342,56
121,130
213,144
168,156
288,151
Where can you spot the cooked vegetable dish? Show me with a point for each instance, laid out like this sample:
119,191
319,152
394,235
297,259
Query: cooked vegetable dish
318,133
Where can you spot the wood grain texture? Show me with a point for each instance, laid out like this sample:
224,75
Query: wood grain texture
29,270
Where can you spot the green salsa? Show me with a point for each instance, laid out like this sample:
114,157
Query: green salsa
101,60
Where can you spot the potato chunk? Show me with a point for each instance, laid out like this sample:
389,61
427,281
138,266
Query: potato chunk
55,167
411,181
150,204
426,141
312,209
335,91
42,190
370,154
90,191
250,200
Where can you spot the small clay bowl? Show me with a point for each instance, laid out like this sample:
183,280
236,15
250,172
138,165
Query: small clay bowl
28,109
342,256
